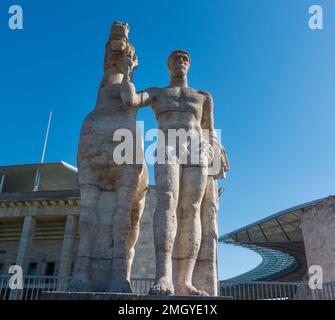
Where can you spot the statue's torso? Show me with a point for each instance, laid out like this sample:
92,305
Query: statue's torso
109,114
97,136
178,108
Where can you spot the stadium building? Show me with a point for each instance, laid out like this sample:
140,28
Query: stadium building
39,211
39,229
289,242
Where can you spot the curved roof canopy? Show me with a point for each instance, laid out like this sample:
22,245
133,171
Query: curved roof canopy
279,240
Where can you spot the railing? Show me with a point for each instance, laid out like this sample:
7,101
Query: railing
326,293
259,290
275,291
141,286
34,285
255,290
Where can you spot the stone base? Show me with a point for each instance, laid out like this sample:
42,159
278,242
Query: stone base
58,295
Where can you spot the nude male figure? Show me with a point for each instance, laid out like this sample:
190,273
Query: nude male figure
176,106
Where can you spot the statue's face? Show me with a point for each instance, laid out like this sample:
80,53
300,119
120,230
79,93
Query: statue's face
118,43
179,64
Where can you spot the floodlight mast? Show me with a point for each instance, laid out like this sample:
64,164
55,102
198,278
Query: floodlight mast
38,174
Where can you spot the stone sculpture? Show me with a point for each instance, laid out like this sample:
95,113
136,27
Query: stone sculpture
180,185
112,194
205,275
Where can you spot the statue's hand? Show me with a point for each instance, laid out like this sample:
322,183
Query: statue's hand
206,153
221,159
129,65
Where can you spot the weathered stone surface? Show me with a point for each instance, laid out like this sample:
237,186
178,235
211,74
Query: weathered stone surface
205,275
181,186
318,228
112,194
144,261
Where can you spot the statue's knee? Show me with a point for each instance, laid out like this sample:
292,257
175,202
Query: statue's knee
167,201
133,235
192,208
131,253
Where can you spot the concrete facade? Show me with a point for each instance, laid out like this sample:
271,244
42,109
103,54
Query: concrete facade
42,228
318,228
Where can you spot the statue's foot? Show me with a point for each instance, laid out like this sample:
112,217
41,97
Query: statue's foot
163,286
120,286
189,290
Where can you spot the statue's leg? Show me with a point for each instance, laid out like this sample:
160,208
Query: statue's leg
136,214
205,271
121,226
103,253
187,246
89,195
165,225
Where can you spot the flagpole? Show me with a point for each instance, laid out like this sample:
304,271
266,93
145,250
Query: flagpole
38,175
46,137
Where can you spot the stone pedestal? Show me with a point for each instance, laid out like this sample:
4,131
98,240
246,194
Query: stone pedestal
58,295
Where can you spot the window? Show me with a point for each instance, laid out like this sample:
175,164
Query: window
1,268
32,269
50,269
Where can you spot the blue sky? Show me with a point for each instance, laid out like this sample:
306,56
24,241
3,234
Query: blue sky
271,77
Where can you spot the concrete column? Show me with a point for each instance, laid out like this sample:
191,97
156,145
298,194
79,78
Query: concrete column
27,236
67,251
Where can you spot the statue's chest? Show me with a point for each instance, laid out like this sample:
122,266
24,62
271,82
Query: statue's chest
181,98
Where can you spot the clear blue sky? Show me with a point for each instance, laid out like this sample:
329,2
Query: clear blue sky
272,79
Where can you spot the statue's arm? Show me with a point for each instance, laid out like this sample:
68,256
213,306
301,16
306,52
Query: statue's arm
207,119
128,91
131,98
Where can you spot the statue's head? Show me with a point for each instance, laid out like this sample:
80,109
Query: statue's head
118,39
117,47
178,63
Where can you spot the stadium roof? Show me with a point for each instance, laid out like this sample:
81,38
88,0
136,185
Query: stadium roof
279,240
53,176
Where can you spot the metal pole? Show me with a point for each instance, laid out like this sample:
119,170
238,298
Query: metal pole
38,173
2,182
37,180
46,137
